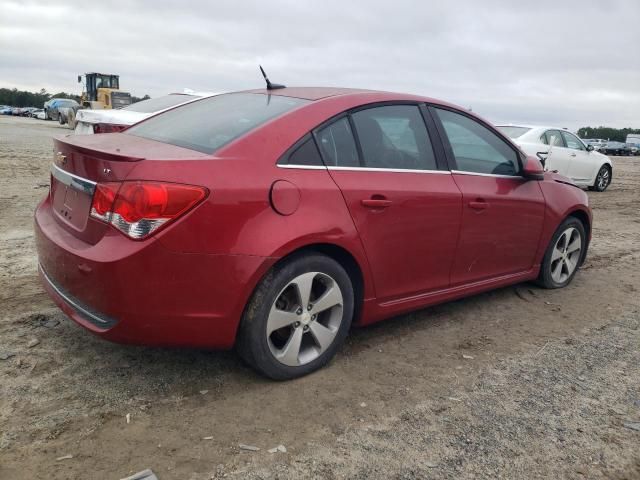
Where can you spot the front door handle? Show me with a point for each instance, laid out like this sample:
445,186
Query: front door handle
479,205
376,202
573,154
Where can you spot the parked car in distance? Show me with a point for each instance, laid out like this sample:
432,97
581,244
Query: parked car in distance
563,152
107,121
596,143
39,114
633,149
273,220
52,107
616,148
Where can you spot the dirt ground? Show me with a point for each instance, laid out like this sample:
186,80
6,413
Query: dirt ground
516,383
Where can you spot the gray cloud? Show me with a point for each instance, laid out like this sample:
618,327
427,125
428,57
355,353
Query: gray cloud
569,63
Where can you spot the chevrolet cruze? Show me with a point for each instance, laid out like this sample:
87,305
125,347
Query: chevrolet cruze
274,220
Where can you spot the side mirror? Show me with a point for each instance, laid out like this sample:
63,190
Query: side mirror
79,78
590,148
533,169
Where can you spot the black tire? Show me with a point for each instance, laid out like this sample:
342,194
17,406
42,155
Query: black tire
546,278
60,119
601,184
254,345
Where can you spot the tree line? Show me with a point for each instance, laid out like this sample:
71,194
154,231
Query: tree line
22,98
607,133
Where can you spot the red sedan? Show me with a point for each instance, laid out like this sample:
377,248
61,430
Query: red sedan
273,220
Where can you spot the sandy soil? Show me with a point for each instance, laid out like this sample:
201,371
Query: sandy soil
516,383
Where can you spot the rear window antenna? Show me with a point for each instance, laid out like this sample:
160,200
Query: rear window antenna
270,86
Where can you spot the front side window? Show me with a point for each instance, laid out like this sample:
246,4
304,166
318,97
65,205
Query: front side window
337,144
572,141
208,124
476,148
394,137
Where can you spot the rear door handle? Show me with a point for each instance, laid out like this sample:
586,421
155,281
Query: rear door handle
376,202
478,205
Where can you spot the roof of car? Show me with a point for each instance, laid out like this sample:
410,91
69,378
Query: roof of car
311,93
533,127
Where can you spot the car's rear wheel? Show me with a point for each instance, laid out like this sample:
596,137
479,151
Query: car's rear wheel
603,179
564,254
297,318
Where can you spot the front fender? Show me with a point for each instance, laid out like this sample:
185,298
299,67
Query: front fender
562,199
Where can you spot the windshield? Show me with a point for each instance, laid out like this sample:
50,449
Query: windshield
66,103
514,132
208,124
161,103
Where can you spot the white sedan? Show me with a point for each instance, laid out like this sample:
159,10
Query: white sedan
564,152
91,121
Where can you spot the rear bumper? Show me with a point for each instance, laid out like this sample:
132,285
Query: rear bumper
141,292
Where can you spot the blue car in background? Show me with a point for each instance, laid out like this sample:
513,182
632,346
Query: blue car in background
52,107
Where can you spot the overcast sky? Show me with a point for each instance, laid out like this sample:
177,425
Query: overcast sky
568,63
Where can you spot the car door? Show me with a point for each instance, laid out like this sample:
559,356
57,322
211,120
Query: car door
502,213
581,168
405,207
559,157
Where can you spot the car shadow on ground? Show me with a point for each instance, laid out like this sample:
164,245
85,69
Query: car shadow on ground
151,370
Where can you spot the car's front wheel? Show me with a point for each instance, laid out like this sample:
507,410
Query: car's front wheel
564,254
297,318
603,179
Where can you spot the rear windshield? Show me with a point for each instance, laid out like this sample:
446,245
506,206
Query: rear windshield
208,124
514,132
160,103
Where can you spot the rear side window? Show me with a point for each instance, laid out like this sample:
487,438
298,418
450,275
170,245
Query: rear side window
476,148
160,103
208,124
306,154
337,144
553,138
394,137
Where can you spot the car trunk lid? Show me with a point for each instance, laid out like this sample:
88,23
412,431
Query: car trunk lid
81,162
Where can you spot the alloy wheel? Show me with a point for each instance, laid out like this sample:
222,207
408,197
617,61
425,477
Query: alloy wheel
304,319
603,178
566,255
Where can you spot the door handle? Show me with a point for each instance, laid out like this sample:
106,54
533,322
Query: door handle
376,202
573,154
479,205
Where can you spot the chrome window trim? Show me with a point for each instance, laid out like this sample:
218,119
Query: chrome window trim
96,320
71,180
462,172
304,167
394,170
366,169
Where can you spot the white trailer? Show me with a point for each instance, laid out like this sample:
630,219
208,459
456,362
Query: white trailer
633,138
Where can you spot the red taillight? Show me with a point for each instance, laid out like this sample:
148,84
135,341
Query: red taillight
107,128
103,199
140,208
